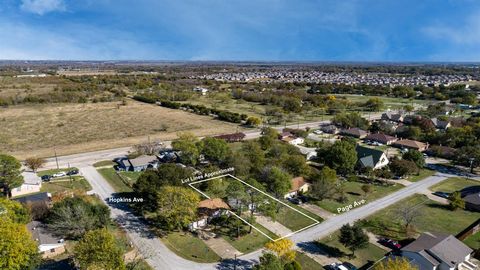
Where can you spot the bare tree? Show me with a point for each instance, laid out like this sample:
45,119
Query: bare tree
148,148
408,215
34,163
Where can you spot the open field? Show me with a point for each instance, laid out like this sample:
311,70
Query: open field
354,193
424,173
431,217
390,102
248,242
454,184
74,128
362,256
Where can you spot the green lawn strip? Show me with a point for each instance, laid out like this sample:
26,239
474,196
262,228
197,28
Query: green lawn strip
292,219
454,184
190,247
104,163
53,171
432,217
306,262
77,183
362,256
355,194
305,211
424,173
473,241
132,177
114,180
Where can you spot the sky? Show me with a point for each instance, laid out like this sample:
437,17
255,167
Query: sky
241,30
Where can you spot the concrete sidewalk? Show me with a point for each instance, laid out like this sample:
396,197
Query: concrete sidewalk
317,210
223,249
273,226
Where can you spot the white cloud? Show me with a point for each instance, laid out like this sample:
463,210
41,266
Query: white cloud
466,34
41,7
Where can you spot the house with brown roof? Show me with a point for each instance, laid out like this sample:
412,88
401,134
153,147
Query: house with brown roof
207,210
299,185
355,132
411,144
394,117
233,137
381,138
438,252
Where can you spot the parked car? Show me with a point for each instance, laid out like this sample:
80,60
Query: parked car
441,194
337,266
295,200
349,266
318,132
72,172
390,243
59,174
303,198
46,178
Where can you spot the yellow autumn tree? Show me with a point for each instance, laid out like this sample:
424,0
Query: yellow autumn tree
17,248
283,248
395,264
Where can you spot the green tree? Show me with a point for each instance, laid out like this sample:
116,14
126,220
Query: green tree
268,138
367,188
269,261
353,237
255,155
10,174
14,211
98,250
73,217
342,157
402,167
253,121
17,248
187,145
236,191
177,207
151,181
415,156
456,201
295,165
215,150
374,104
325,184
277,181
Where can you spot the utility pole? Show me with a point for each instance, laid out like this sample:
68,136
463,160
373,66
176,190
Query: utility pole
471,164
56,158
235,262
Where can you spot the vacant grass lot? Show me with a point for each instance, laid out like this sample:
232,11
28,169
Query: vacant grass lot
114,180
337,250
250,241
34,130
77,183
292,219
473,241
306,262
190,247
454,184
354,193
424,173
431,217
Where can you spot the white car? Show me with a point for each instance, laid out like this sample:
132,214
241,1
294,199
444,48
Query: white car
318,132
59,174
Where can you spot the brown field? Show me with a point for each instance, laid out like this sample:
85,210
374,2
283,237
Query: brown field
75,128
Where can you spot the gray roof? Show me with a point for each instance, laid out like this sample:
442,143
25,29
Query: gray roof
355,132
40,234
37,197
368,157
143,160
438,248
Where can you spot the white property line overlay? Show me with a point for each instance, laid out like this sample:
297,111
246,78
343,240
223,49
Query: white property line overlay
264,193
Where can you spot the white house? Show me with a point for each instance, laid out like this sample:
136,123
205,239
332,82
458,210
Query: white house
370,157
293,140
299,185
31,184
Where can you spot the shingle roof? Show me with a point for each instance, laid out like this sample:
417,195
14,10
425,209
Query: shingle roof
37,197
380,137
411,144
368,157
297,183
438,248
213,204
355,132
143,160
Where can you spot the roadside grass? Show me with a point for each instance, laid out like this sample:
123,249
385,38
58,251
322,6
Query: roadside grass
306,262
189,247
354,193
337,250
77,183
114,180
454,184
34,129
104,163
250,241
53,171
473,241
424,173
131,177
292,219
305,211
431,217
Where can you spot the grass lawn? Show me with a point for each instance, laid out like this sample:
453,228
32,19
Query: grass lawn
250,241
292,219
363,256
473,241
424,173
354,193
306,212
52,171
454,184
431,217
190,247
132,177
306,262
77,183
104,163
114,180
